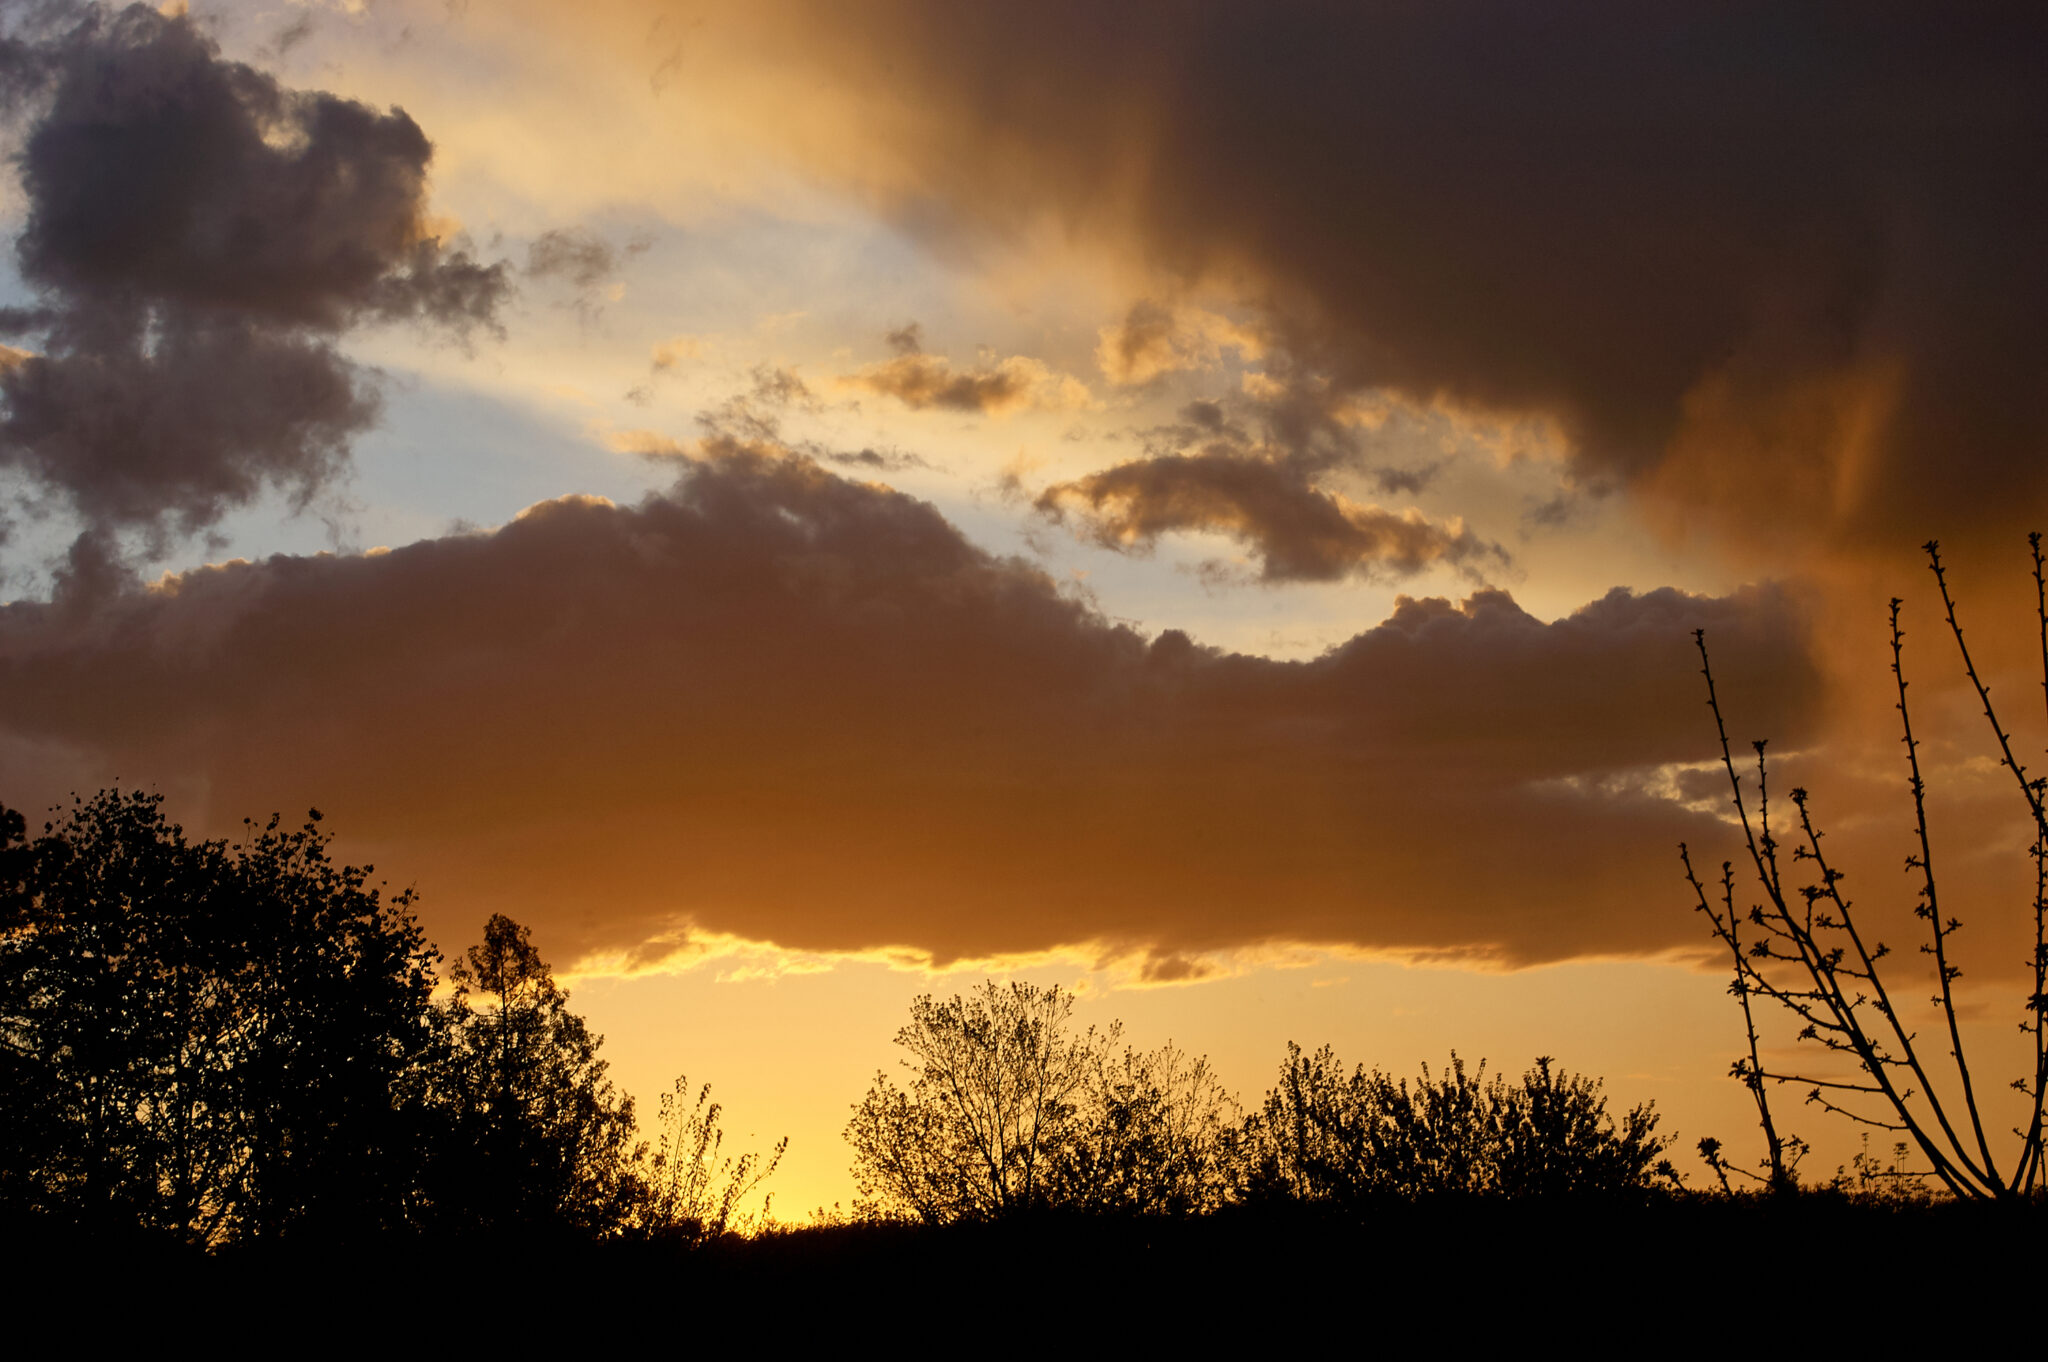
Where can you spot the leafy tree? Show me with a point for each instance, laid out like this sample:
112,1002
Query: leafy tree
998,1077
1158,1136
336,1002
536,1138
203,1039
1011,1108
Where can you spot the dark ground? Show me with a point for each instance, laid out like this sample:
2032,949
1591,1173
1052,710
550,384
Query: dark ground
1690,1277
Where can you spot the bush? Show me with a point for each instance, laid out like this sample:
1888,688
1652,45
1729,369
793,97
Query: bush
1343,1139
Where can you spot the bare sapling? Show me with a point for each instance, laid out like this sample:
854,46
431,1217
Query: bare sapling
1805,953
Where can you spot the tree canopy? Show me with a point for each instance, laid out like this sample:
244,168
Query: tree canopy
538,1138
1012,1107
212,1042
201,1038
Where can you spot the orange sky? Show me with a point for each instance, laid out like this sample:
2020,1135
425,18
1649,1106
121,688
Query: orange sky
805,504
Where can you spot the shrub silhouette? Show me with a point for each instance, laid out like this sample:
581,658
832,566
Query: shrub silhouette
695,1191
1011,1108
1328,1136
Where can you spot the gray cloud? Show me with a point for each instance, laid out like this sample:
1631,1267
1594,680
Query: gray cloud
1297,532
199,235
1255,468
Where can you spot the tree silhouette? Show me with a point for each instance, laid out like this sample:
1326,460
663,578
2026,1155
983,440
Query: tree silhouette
204,1040
536,1138
1808,955
1011,1108
998,1077
1158,1136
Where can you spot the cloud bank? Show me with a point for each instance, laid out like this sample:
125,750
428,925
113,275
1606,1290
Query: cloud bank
782,705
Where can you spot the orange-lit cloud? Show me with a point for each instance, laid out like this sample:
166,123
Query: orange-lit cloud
994,387
786,707
1154,339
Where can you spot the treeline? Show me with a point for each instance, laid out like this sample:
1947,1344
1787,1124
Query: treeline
210,1042
1011,1108
214,1043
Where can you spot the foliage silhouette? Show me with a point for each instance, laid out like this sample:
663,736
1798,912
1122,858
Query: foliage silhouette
695,1191
998,1080
205,1043
1159,1136
1345,1139
1012,1109
536,1139
1810,957
201,1040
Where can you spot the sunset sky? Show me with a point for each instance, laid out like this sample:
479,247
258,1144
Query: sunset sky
1203,503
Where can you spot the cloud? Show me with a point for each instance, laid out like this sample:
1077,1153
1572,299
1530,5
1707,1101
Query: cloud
586,264
582,260
750,422
874,460
198,235
1155,339
166,426
788,707
995,387
671,353
158,170
1298,533
1256,467
1775,265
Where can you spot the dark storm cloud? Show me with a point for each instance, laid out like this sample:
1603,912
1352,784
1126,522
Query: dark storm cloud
784,705
198,235
1777,260
159,171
